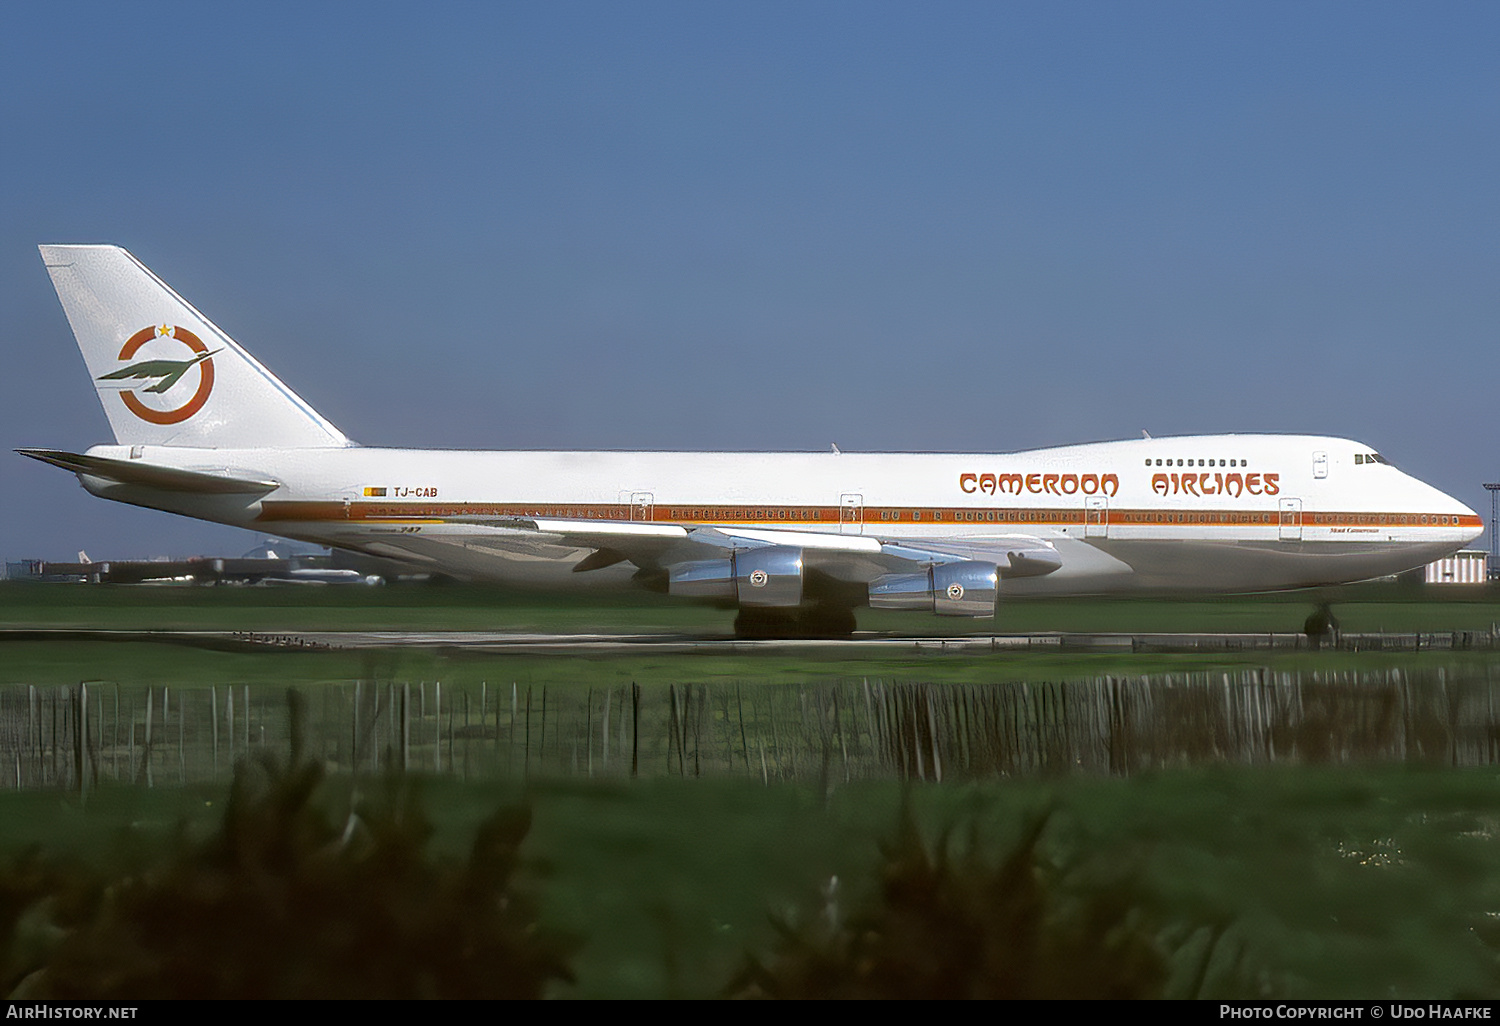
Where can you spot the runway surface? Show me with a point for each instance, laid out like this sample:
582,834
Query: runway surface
500,641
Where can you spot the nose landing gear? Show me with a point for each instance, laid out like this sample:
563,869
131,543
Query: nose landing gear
1322,627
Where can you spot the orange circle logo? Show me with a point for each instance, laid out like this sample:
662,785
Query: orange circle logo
157,376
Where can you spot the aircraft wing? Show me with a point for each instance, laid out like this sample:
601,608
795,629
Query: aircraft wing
1015,555
847,557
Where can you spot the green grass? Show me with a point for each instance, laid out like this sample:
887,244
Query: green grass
47,664
1352,881
473,607
1334,883
1339,883
407,607
1368,608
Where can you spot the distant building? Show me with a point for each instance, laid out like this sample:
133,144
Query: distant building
41,570
271,563
22,570
1467,566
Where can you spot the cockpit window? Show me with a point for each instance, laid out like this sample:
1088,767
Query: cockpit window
1370,457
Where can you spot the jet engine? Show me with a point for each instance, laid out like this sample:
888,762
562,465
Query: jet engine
947,589
769,576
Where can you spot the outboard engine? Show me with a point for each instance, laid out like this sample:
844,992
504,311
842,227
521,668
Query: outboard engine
769,576
948,589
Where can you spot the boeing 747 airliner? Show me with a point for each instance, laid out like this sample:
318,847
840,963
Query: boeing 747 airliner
796,541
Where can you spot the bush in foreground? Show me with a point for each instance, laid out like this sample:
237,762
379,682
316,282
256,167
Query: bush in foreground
285,902
950,922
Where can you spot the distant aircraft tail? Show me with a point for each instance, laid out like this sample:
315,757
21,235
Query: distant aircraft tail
165,373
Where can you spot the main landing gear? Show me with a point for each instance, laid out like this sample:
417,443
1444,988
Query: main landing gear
809,622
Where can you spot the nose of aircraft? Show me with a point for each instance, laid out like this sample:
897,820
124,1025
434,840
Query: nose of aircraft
1465,525
1475,522
1471,522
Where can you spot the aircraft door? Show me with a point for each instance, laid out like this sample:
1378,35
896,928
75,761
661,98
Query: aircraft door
640,504
851,513
1291,520
1096,516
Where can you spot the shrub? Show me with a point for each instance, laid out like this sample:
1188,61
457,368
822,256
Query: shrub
283,901
948,922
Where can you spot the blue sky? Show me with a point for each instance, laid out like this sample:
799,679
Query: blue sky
935,226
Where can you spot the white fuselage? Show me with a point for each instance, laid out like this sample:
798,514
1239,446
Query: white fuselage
1213,512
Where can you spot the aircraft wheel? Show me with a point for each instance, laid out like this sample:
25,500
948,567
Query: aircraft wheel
1322,627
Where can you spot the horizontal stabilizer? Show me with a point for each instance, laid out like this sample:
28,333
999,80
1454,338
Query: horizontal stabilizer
168,479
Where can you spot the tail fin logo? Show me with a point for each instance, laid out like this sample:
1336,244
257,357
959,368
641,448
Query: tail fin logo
158,375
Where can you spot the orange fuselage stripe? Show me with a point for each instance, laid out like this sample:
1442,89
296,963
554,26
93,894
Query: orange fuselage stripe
868,515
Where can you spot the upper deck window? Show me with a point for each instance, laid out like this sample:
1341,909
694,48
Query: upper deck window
1207,463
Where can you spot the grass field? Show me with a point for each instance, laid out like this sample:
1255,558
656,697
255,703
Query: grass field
1324,884
265,610
1352,880
1373,607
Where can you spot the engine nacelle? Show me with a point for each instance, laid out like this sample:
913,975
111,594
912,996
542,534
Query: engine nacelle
770,576
702,579
948,589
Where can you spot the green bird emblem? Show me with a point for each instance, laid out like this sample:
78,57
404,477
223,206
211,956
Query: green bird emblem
170,371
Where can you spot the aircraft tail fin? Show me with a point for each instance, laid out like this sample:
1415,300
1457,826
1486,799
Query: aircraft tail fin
165,373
